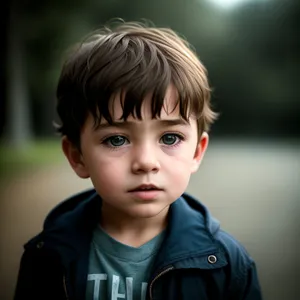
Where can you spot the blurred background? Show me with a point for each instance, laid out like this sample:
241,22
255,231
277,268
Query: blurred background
249,178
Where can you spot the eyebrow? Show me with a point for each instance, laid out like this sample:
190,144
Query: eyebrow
127,124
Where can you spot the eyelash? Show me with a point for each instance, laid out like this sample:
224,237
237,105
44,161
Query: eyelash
180,139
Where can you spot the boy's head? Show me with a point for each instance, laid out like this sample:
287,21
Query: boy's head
134,60
134,104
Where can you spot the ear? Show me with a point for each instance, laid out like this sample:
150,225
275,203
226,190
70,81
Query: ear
74,157
200,151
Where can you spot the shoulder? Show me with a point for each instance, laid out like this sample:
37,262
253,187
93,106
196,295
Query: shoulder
238,257
244,280
233,249
232,246
69,206
68,217
239,267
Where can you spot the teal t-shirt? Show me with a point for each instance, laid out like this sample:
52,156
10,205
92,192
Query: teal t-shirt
118,271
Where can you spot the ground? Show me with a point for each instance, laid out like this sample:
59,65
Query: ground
251,187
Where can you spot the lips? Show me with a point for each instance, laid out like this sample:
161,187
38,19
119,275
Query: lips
145,188
146,192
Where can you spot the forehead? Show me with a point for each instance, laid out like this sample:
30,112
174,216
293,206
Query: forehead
170,108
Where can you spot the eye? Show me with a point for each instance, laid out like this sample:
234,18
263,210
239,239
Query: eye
171,139
116,141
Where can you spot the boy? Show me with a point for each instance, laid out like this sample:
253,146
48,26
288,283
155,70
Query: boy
134,104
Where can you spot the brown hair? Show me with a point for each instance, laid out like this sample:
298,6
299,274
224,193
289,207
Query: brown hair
134,59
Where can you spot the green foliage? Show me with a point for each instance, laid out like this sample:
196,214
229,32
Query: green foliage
251,52
14,161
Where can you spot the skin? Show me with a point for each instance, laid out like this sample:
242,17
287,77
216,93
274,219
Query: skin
164,152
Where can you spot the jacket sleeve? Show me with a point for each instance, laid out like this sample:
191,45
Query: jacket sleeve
249,286
24,287
39,277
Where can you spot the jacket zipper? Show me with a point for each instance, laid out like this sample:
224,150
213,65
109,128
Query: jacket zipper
156,277
65,288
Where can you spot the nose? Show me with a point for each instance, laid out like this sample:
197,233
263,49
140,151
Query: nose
145,160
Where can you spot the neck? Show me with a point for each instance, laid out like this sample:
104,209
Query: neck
130,230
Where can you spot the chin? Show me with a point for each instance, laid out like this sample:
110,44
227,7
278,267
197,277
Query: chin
148,211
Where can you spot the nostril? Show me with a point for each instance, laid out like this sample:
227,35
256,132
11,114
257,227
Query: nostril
145,167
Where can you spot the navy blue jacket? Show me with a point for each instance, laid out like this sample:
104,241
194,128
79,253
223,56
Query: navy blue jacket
196,261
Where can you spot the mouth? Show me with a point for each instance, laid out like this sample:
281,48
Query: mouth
146,192
145,188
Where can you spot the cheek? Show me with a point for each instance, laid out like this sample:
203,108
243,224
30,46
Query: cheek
182,155
101,157
104,171
177,179
107,180
178,167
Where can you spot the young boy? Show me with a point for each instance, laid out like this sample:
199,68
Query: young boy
134,104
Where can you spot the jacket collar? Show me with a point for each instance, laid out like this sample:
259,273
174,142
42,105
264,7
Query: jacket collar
69,226
190,237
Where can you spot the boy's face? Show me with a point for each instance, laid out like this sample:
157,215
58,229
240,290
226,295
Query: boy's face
139,167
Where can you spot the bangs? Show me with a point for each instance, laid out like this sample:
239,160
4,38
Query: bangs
132,68
131,63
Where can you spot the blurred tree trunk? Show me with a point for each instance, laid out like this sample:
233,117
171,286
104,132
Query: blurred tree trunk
18,131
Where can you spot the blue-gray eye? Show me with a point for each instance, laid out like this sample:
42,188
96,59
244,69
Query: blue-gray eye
117,140
169,139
